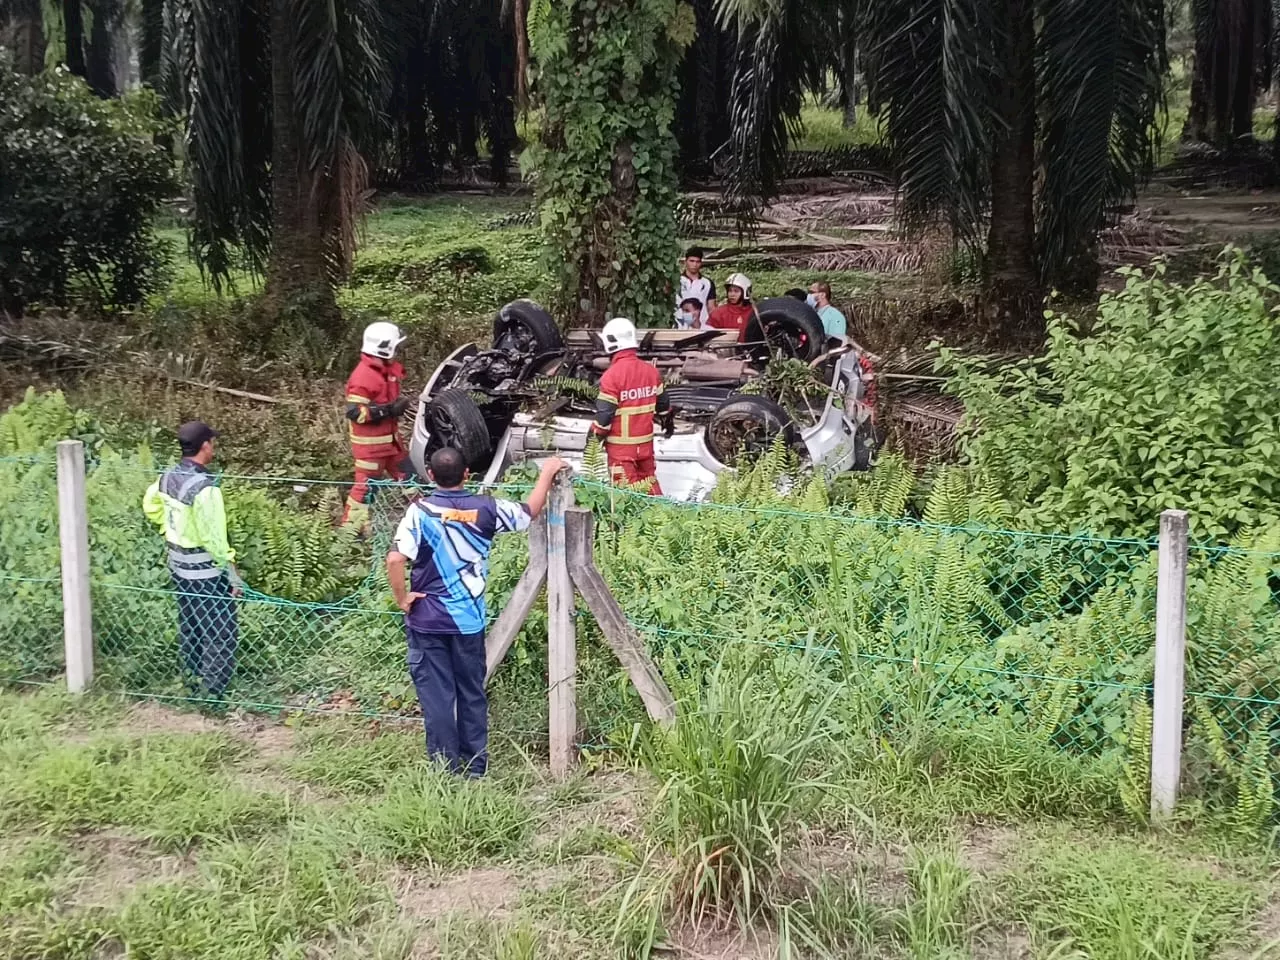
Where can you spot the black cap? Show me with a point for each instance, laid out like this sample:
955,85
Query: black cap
192,436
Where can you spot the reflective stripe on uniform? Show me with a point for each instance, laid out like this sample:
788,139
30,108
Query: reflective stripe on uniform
356,398
189,485
371,441
608,398
630,411
199,573
368,465
629,441
191,563
184,559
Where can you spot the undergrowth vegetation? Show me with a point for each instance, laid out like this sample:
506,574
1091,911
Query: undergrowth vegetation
946,635
856,660
1162,401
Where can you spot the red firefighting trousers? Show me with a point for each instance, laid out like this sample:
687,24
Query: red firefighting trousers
633,471
386,467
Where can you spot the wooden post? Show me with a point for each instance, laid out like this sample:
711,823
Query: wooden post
613,622
1171,644
73,533
513,615
562,652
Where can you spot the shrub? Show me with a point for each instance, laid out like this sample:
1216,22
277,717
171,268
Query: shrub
1169,403
80,181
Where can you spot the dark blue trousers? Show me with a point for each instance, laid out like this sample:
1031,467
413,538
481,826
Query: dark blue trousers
207,631
448,674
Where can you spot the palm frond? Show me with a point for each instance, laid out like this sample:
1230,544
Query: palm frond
151,41
254,226
177,56
780,53
936,76
1100,65
317,78
215,138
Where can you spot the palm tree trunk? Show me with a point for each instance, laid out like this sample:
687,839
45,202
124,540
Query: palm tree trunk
297,274
152,42
73,27
23,34
101,61
1011,289
1196,127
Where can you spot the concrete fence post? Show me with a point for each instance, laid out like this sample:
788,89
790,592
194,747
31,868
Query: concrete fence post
1170,667
73,533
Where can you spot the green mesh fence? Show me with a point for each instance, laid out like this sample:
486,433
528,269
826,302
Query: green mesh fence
965,628
31,645
960,628
1233,677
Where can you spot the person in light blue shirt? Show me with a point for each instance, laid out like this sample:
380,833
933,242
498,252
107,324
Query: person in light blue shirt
443,545
833,321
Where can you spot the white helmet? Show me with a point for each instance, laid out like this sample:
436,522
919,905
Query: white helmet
619,334
381,339
742,281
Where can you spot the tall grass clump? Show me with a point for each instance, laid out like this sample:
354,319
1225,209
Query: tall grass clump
737,777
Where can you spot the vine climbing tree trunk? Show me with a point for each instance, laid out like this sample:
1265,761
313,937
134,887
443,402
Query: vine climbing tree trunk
604,164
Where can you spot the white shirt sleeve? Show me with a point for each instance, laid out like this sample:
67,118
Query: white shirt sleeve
406,540
512,517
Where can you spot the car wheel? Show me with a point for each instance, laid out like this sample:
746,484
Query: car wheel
867,438
456,421
526,328
745,426
790,326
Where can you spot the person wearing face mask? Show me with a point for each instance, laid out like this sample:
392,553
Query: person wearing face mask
737,309
833,321
694,284
689,316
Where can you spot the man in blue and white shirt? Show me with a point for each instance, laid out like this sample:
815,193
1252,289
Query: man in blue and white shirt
446,537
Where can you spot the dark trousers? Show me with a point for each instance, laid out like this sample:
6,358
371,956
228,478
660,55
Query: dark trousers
207,631
448,674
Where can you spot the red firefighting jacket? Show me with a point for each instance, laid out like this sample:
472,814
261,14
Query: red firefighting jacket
630,395
374,382
732,316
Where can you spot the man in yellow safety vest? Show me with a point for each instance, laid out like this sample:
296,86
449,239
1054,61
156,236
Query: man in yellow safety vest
186,505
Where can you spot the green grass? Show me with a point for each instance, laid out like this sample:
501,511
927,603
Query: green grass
354,761
430,816
824,127
1123,899
172,789
852,849
284,892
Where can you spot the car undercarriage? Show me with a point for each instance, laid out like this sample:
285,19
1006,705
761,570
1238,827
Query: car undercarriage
532,394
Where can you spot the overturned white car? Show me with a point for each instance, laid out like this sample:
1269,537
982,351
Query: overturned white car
532,395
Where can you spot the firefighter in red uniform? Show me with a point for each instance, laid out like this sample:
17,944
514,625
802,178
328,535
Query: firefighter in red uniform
374,406
631,396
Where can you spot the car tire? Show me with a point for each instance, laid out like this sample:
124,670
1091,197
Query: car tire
867,439
745,426
456,421
524,326
791,325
